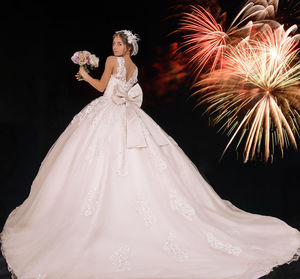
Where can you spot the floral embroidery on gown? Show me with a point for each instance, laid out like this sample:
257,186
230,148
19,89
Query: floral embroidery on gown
116,197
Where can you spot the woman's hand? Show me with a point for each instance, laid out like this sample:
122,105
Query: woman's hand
101,84
82,74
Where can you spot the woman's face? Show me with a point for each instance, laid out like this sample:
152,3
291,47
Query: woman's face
118,46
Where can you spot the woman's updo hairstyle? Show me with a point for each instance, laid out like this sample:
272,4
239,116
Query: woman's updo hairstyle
129,39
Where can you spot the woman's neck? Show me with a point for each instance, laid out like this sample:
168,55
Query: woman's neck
126,56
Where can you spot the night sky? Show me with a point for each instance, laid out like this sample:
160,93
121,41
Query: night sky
40,95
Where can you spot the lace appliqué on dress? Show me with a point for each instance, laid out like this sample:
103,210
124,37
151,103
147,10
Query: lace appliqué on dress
95,150
174,249
120,259
143,208
121,74
181,205
87,110
121,70
223,246
4,236
92,201
159,163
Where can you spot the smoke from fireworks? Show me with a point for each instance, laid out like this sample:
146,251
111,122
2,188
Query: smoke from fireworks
248,76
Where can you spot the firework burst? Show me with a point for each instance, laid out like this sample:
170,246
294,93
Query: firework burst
256,93
285,12
248,74
205,40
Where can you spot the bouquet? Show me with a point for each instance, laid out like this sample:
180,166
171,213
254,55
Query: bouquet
86,59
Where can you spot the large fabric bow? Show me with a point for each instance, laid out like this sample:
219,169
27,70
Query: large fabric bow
136,118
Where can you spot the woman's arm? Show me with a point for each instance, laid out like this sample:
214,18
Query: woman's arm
101,84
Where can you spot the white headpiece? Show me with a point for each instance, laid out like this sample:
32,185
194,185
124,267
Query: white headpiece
132,39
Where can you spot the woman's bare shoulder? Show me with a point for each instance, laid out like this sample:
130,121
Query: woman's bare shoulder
111,59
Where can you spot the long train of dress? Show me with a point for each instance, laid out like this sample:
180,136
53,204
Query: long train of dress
116,197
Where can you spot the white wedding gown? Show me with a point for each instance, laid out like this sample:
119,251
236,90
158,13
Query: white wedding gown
117,198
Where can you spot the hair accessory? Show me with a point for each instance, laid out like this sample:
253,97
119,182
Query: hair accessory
132,39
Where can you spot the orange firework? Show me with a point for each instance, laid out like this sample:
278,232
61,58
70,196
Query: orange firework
248,74
205,40
256,92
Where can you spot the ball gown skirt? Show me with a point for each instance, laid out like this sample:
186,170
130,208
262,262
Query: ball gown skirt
117,198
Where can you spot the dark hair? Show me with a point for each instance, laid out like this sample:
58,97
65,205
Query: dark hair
124,38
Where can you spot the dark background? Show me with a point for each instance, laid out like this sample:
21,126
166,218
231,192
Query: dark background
39,95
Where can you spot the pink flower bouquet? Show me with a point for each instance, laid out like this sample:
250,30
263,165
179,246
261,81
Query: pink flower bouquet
86,59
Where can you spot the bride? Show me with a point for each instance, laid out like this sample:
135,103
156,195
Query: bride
116,197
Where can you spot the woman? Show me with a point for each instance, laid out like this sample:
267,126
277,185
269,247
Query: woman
116,197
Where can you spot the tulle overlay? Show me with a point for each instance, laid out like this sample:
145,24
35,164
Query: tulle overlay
101,209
